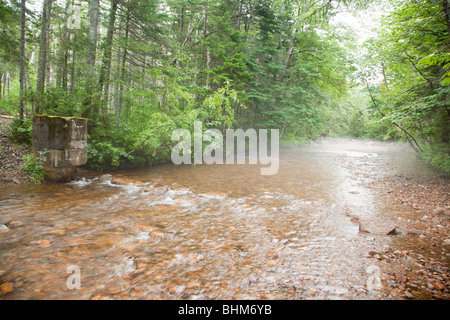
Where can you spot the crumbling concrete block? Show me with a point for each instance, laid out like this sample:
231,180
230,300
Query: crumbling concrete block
61,144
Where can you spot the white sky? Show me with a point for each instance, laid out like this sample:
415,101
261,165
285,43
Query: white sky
362,23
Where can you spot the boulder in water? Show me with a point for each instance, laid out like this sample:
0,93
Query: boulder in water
377,226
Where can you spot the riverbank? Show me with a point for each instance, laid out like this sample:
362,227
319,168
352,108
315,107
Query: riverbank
11,157
421,261
416,264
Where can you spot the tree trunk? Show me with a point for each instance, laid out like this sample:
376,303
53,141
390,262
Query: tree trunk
61,76
384,77
42,62
91,57
208,52
93,32
72,69
249,19
8,84
47,46
446,6
124,63
22,59
181,23
288,57
4,84
5,75
107,53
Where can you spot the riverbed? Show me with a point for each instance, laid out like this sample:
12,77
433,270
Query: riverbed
227,232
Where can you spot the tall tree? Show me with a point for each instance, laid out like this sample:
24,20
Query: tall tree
94,9
63,54
446,7
22,58
124,62
43,52
107,55
93,32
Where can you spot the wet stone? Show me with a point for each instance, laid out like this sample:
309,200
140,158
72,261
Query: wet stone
14,223
105,178
438,286
6,287
377,226
4,229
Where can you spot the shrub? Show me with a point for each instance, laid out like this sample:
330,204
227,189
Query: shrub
437,156
21,131
34,168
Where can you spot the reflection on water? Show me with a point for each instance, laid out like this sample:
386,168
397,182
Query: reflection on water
205,232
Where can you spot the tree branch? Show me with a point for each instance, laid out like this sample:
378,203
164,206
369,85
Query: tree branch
417,69
407,134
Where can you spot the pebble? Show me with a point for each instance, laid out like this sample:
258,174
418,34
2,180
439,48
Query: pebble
57,232
6,287
179,289
14,223
272,255
271,263
438,286
105,178
4,229
156,236
44,243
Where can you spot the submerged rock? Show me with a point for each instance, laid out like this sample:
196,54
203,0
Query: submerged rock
6,287
377,226
105,178
14,223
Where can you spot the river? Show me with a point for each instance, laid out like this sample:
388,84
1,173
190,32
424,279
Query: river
211,231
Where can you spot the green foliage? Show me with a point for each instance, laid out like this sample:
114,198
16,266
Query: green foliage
21,131
8,107
220,105
33,167
137,143
258,64
437,156
9,34
56,102
103,155
413,55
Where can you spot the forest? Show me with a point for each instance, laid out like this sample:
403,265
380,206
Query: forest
138,69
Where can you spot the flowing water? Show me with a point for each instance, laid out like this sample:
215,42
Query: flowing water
207,232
